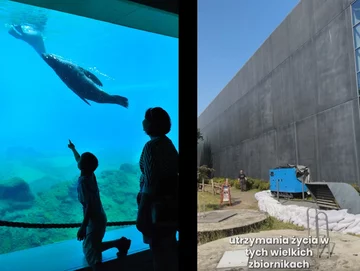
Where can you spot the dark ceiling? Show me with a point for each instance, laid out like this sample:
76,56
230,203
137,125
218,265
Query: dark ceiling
171,6
156,16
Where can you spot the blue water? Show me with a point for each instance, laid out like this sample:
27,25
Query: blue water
39,113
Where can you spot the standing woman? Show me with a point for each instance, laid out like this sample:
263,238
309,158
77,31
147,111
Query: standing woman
158,198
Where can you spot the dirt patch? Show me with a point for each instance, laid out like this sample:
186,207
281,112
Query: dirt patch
243,200
240,200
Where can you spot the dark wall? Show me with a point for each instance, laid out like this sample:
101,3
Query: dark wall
295,101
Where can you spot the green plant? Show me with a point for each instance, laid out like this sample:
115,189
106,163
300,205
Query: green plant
199,136
257,184
356,186
251,184
271,223
264,186
221,180
204,173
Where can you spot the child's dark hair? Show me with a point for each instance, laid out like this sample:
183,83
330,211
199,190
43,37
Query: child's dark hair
88,162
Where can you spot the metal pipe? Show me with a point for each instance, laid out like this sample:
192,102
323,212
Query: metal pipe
327,232
317,233
308,218
303,194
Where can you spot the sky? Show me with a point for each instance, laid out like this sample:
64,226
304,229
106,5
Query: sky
229,33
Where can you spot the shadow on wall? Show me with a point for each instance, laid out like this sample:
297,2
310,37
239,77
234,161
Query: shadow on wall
205,170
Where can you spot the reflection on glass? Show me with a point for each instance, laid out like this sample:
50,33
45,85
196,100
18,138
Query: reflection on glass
356,12
358,82
40,113
357,59
357,36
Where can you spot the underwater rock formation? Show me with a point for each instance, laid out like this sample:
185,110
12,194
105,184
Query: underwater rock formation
129,168
119,186
16,189
43,184
15,194
72,188
118,190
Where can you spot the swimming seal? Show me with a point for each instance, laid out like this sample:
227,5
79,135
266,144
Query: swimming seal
82,82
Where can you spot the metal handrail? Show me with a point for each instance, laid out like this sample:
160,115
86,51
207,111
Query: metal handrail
327,232
308,218
317,228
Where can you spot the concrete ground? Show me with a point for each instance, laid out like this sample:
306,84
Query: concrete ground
345,249
345,256
241,218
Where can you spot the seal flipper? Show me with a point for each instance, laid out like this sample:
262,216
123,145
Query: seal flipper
16,31
83,99
120,100
32,36
92,77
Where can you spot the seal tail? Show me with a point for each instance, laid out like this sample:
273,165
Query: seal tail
120,100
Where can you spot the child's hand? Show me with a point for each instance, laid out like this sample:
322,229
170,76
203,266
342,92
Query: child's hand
81,233
71,145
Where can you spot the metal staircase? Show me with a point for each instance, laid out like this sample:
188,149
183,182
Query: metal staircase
335,196
323,196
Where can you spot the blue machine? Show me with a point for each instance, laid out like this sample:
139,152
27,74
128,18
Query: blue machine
289,179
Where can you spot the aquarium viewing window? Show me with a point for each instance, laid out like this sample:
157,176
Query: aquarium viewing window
41,110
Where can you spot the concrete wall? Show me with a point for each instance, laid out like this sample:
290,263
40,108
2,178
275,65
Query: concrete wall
295,101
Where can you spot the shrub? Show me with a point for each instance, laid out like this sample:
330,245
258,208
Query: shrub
203,173
251,183
356,186
264,185
219,180
257,184
199,136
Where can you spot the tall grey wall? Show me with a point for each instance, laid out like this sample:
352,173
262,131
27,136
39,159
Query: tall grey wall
295,101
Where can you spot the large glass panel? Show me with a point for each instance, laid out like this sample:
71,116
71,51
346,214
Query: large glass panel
357,36
356,12
358,82
357,59
43,105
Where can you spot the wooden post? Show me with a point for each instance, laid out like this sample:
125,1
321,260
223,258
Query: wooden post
221,196
203,185
212,186
230,195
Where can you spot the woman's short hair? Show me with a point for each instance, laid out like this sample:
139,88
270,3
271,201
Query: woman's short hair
159,121
88,162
